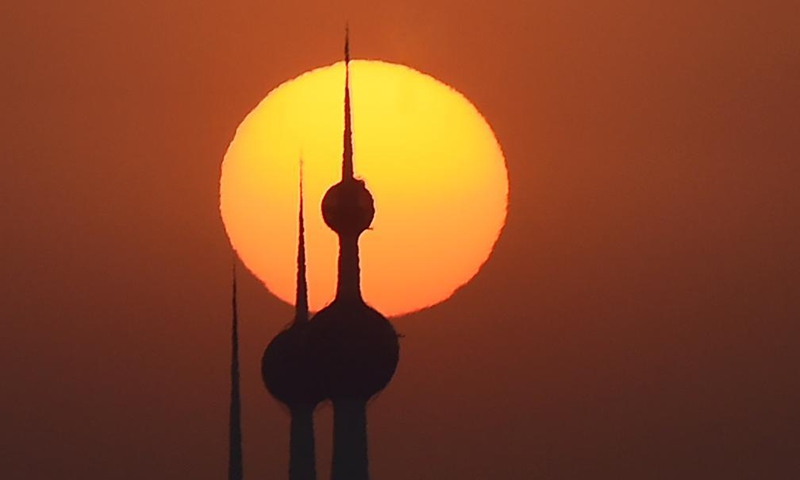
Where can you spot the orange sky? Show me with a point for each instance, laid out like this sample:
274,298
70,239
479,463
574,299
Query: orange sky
637,320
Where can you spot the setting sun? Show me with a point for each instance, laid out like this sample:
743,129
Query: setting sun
428,157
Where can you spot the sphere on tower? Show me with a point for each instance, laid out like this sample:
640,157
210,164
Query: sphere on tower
289,370
348,207
357,349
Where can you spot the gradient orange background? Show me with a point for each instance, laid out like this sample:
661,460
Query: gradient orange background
637,320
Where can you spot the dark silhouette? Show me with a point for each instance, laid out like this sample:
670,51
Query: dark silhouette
356,347
235,466
290,374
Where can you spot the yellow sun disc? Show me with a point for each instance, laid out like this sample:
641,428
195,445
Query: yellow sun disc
428,157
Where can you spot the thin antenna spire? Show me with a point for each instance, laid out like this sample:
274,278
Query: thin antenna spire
347,158
235,466
346,42
301,302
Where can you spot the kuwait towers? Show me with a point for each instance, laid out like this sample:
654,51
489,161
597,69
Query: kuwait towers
346,354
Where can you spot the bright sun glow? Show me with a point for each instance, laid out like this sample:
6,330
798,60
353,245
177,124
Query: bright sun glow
426,154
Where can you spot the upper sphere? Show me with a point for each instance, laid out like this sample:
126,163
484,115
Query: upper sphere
348,207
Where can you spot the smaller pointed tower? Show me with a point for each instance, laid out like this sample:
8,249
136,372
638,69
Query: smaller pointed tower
291,374
235,466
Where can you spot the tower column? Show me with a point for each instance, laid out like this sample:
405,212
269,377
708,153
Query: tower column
302,456
349,282
350,461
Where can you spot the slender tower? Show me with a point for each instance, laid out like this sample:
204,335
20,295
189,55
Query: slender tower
290,374
357,348
235,468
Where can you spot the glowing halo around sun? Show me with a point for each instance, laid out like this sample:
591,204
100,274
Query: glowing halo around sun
428,157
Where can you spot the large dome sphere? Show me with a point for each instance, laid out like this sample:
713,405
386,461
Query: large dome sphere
289,371
356,347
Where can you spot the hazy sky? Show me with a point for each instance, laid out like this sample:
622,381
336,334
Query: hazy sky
638,319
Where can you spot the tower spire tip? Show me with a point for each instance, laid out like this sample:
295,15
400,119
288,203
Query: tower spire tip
347,42
235,465
301,300
347,160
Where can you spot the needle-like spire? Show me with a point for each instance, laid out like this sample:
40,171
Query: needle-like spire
347,157
301,302
235,466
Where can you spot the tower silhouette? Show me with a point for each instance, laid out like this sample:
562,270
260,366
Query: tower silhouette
290,373
356,348
235,467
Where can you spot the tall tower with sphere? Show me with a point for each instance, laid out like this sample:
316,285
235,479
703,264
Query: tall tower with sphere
356,348
291,375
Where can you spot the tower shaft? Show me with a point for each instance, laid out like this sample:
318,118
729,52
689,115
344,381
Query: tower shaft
348,286
350,459
302,452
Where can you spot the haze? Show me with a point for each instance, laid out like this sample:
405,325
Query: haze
638,318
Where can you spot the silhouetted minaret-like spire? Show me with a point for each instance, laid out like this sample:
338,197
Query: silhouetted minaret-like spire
357,347
291,375
301,295
347,157
235,466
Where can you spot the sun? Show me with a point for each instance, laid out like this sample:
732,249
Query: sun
429,158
